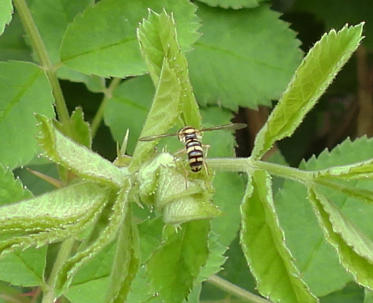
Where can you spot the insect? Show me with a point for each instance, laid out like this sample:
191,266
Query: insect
191,137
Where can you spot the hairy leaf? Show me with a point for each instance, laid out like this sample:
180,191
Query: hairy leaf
11,190
264,247
24,268
309,82
78,158
80,128
354,248
126,261
315,258
234,65
107,235
173,268
25,90
236,4
162,114
50,217
6,11
102,41
158,42
360,170
48,211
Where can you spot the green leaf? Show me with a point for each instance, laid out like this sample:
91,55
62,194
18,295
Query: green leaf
78,158
158,42
24,268
92,280
81,132
360,170
316,259
264,247
235,4
102,41
25,91
107,235
309,82
162,114
61,207
352,293
133,97
12,44
126,262
6,12
354,248
234,65
368,298
50,217
11,190
173,268
88,292
52,18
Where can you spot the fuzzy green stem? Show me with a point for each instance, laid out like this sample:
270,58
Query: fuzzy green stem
248,165
41,51
235,290
100,112
63,254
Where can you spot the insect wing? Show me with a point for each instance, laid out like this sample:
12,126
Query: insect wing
155,137
231,126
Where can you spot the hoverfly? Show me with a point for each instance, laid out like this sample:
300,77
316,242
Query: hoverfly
191,137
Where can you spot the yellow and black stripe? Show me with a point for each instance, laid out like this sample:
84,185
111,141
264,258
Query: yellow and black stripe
190,137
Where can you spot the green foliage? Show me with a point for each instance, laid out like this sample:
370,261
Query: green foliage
185,251
78,158
158,43
236,4
11,189
144,227
354,248
25,90
232,64
311,79
264,246
102,41
6,11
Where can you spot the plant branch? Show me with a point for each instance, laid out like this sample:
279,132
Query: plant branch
235,290
41,51
248,165
63,254
100,112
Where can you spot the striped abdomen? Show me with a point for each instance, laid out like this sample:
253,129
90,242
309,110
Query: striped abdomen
195,154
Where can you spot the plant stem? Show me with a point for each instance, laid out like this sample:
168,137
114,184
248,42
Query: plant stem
63,253
100,112
248,165
41,51
235,290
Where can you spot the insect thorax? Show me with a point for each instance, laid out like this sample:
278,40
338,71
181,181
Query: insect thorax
189,133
